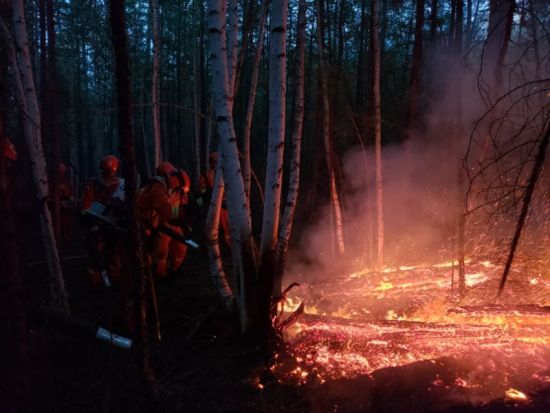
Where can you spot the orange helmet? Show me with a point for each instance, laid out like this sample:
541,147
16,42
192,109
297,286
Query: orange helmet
7,149
185,182
109,165
165,168
178,178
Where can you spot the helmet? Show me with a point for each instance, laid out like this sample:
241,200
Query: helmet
7,149
178,178
165,168
109,165
185,182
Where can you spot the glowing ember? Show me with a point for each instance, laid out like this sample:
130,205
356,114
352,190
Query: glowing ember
516,395
357,325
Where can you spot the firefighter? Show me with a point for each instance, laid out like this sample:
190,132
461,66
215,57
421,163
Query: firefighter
101,206
164,202
206,187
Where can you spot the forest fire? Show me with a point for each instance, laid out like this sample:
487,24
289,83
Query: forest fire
365,322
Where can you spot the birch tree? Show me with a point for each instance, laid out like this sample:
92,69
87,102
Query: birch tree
285,227
22,75
276,132
239,214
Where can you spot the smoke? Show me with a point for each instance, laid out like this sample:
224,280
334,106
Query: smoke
425,186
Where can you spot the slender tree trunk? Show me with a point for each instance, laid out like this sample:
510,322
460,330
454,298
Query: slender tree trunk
15,345
361,75
239,215
54,129
535,38
251,101
377,134
275,151
535,173
232,43
335,201
277,122
127,151
295,151
197,118
416,70
212,230
155,81
501,14
28,104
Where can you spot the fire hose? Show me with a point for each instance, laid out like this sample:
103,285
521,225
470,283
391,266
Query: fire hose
76,327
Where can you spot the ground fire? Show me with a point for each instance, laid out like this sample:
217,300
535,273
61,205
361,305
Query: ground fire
365,321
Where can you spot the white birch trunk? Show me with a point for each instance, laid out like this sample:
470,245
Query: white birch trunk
232,43
155,81
377,135
285,227
251,101
276,131
239,216
26,95
334,199
214,255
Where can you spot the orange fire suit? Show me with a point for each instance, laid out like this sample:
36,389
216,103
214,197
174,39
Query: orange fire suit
106,242
159,205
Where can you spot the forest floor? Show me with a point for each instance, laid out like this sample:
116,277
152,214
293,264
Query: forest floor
204,365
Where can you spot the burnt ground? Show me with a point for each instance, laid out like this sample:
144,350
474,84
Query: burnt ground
204,365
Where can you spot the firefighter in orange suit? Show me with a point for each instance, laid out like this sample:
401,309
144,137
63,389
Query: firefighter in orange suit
206,187
104,240
163,202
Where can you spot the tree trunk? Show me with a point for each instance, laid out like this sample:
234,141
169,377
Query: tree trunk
416,70
251,101
277,122
335,201
232,43
28,103
155,81
15,345
54,129
212,225
239,214
197,118
377,134
535,173
501,14
127,152
360,98
294,178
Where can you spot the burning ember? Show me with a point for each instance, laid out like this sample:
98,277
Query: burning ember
357,325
